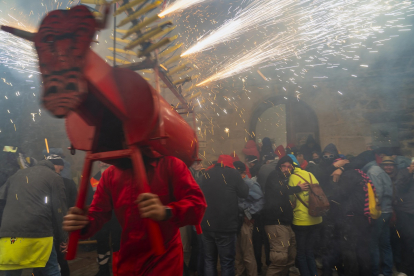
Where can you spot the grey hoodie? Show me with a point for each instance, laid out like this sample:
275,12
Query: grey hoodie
382,183
35,203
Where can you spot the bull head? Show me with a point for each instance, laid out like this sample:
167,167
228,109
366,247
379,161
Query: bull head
61,43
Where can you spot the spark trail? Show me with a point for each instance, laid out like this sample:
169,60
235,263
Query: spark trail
325,26
179,5
258,13
17,53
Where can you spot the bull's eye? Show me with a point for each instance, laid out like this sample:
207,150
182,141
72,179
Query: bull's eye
49,39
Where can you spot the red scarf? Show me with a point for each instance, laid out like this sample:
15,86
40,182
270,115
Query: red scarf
365,181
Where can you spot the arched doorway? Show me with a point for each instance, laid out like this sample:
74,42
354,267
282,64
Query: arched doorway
284,121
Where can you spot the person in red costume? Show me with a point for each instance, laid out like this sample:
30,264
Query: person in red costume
175,200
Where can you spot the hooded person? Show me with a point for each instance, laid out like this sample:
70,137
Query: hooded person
251,149
330,232
245,258
267,148
175,200
324,170
353,219
32,219
278,217
309,147
222,187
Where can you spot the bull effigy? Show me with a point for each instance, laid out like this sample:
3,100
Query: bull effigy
110,112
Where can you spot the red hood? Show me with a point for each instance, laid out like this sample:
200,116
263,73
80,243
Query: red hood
225,160
251,149
235,157
290,146
280,151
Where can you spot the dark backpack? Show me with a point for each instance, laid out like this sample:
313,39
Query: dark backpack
318,202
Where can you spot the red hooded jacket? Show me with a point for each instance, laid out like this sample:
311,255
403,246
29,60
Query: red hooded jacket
280,151
170,179
226,161
251,149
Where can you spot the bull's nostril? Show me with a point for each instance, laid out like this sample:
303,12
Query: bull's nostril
71,86
52,90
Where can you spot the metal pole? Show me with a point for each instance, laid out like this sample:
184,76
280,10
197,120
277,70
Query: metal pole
157,73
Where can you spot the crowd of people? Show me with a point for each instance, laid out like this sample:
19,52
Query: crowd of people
257,214
261,207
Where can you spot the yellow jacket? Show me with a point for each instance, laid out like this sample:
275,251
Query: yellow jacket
21,253
301,216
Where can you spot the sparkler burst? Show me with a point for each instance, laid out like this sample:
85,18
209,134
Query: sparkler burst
257,13
17,53
179,5
328,27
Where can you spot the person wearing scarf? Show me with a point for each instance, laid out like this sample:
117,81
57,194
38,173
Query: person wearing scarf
353,219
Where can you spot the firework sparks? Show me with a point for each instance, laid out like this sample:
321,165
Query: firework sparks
17,53
258,13
179,5
322,26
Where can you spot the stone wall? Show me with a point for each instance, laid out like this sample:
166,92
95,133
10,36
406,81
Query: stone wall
347,119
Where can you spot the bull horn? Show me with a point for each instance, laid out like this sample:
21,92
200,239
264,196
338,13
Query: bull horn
20,33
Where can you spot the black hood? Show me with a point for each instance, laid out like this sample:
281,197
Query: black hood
362,159
267,148
331,148
266,142
310,140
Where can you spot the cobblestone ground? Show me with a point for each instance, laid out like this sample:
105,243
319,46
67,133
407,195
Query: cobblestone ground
85,265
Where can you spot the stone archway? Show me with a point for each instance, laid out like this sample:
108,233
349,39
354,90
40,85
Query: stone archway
301,120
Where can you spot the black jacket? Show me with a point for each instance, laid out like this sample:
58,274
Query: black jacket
278,209
349,195
35,203
307,150
404,188
221,187
264,173
322,172
324,169
254,171
71,192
